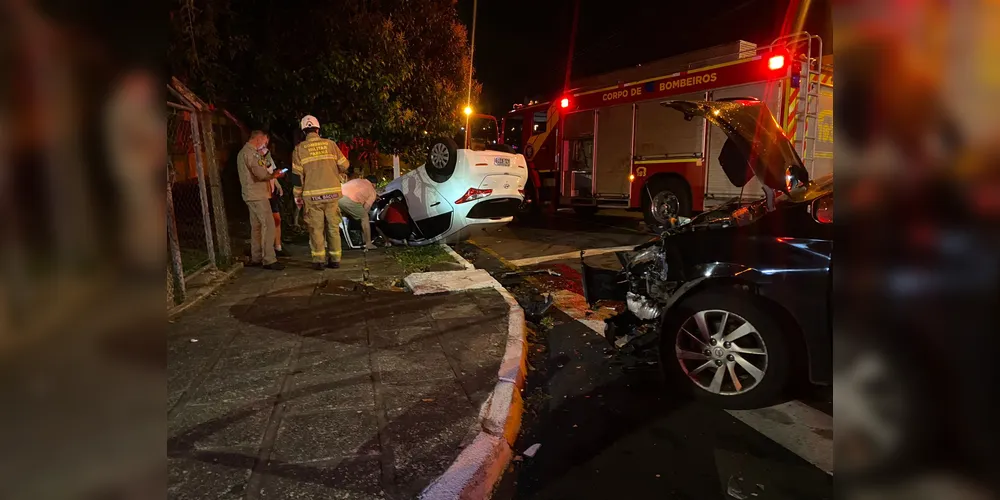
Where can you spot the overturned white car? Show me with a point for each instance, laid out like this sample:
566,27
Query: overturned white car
457,192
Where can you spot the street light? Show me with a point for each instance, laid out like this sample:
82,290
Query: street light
467,110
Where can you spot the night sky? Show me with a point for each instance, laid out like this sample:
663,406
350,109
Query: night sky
521,45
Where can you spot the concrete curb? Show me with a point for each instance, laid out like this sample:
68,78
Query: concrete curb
458,258
206,291
479,467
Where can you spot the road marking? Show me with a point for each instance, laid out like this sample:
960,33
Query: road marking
531,261
801,429
576,307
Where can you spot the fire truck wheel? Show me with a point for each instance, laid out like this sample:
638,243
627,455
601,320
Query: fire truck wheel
441,158
666,198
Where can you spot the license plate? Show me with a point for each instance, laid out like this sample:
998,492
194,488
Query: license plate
501,162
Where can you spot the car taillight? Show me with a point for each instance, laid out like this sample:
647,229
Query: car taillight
474,194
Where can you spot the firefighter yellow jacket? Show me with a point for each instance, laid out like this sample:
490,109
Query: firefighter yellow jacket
318,164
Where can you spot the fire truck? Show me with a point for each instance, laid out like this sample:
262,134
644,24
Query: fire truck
609,143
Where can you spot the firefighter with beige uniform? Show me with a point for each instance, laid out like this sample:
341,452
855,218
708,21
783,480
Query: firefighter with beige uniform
319,164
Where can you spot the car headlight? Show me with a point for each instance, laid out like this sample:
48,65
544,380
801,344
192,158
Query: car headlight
646,255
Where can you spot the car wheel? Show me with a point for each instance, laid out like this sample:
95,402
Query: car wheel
665,199
441,159
584,211
725,348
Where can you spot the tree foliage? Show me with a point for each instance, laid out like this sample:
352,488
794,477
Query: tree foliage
380,70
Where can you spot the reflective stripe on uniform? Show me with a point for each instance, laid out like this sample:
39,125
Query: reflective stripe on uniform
297,168
317,192
334,253
320,253
318,158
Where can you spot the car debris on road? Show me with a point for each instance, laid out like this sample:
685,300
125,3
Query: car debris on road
531,273
536,309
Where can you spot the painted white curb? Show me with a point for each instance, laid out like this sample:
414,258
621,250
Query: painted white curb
458,258
479,467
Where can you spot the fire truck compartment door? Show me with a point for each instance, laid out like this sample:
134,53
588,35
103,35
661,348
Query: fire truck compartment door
664,131
613,158
578,154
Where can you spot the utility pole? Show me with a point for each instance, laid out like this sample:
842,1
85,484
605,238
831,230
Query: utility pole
472,52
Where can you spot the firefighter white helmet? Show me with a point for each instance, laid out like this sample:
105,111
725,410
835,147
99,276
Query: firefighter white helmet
309,121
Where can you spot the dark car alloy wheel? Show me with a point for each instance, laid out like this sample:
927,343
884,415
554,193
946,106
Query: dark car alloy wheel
721,352
725,347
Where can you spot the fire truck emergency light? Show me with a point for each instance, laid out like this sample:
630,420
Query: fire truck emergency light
776,62
564,103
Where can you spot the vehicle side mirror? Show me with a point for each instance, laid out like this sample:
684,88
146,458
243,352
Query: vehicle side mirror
822,209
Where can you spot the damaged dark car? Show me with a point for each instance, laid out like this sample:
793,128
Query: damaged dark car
737,299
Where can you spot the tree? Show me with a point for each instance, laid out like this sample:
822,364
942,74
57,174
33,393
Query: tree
384,71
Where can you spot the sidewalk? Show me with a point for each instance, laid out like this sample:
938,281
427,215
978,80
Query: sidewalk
293,384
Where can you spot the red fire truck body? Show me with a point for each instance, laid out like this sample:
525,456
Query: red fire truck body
615,146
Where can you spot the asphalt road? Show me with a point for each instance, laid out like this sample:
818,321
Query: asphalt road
608,426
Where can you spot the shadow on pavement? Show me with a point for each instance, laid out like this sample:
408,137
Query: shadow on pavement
395,445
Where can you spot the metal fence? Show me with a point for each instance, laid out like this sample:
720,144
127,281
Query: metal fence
197,228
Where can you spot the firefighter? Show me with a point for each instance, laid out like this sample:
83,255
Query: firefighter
319,164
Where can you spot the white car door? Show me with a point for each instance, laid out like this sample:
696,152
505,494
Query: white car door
423,198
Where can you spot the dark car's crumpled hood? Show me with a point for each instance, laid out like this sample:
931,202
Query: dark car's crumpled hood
752,130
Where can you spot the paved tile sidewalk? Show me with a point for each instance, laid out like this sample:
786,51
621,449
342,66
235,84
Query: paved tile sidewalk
294,385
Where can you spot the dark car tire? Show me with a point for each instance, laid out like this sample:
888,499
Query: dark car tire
585,211
768,390
442,156
676,188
